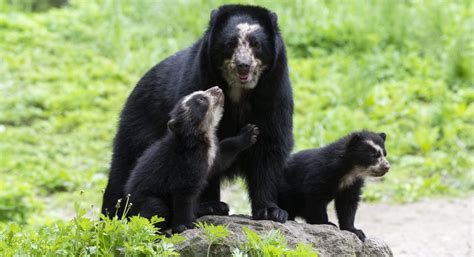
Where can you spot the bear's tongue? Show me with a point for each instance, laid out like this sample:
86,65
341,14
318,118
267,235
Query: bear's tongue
243,76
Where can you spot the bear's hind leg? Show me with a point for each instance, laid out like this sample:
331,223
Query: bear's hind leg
154,206
315,211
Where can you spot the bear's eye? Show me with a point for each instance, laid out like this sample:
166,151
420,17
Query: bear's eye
202,100
254,43
230,43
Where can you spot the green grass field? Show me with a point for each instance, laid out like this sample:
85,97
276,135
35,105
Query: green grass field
402,67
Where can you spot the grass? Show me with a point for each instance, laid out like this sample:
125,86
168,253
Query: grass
402,67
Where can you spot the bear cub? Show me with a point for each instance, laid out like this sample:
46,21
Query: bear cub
314,177
169,176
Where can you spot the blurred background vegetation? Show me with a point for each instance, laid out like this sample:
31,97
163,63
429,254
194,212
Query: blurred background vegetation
402,67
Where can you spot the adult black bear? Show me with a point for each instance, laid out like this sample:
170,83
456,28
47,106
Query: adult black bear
337,171
242,52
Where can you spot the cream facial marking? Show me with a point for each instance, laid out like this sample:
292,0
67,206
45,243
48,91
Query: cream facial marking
359,172
239,81
375,146
376,170
186,99
245,29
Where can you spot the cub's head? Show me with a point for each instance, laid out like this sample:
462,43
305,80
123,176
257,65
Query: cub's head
242,43
197,113
366,151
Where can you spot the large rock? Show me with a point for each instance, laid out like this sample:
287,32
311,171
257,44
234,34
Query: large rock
326,239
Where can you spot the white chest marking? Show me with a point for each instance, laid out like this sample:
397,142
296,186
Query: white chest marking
235,94
211,155
351,177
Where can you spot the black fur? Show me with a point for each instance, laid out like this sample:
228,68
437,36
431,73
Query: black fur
313,178
269,106
170,174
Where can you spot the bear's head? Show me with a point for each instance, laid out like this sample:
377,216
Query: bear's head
197,113
243,43
366,151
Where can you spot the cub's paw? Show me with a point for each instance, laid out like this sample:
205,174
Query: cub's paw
248,134
271,213
213,208
182,227
359,233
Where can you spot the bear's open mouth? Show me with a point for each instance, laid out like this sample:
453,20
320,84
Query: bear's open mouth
243,77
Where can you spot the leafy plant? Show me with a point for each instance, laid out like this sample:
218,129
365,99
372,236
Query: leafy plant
214,234
83,236
270,244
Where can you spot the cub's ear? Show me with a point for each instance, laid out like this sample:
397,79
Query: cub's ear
172,125
383,135
274,18
354,139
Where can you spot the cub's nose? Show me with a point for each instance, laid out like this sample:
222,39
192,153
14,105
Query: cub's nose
215,91
385,166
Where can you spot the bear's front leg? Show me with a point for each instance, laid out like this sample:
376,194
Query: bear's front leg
346,203
231,147
262,178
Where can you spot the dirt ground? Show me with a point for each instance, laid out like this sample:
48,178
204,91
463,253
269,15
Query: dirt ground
436,227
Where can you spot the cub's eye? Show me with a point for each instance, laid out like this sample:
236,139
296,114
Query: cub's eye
376,155
202,100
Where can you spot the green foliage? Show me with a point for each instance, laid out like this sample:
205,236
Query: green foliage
271,244
214,234
16,201
35,5
83,236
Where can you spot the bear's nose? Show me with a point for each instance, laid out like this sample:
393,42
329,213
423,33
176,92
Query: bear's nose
243,66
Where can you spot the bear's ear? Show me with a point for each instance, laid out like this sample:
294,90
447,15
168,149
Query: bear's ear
354,139
172,125
383,136
274,18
